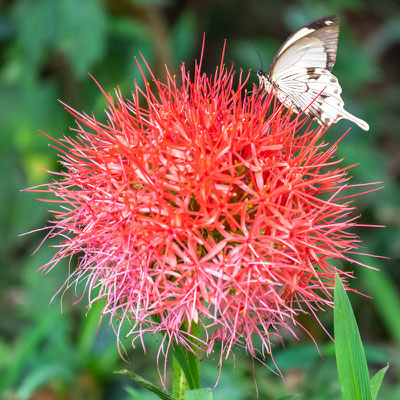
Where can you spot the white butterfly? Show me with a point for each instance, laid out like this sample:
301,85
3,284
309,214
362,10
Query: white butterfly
301,75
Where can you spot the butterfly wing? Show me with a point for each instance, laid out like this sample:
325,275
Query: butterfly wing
301,71
321,38
317,93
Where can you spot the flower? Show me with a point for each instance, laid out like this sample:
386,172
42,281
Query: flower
200,203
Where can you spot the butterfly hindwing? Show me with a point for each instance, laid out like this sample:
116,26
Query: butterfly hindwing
317,92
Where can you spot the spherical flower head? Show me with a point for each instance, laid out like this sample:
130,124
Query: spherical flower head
200,203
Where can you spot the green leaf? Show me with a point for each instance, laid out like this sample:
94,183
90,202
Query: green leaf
37,23
189,361
81,32
199,394
386,298
42,376
75,28
290,396
157,390
27,345
189,364
179,381
350,356
133,394
89,328
376,381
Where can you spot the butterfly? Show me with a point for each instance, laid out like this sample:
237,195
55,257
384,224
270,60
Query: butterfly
301,77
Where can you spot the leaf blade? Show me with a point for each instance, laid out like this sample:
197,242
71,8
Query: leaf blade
158,391
188,362
199,394
350,355
376,381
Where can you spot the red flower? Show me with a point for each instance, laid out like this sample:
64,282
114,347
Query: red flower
198,207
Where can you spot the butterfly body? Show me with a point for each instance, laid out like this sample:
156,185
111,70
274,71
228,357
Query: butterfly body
301,77
270,86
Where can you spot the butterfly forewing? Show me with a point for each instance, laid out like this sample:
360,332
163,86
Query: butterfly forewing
326,30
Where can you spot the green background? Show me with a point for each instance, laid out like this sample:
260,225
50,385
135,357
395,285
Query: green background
47,49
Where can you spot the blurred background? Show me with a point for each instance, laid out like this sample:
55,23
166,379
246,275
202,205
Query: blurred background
47,49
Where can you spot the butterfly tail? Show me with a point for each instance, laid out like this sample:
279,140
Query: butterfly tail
361,123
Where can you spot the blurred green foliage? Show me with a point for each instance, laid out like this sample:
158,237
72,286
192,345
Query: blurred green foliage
47,49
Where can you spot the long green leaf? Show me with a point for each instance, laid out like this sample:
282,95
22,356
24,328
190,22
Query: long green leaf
179,381
376,381
189,364
158,391
189,361
40,376
350,356
199,394
386,298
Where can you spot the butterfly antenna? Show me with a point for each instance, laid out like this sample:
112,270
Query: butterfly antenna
261,60
258,53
